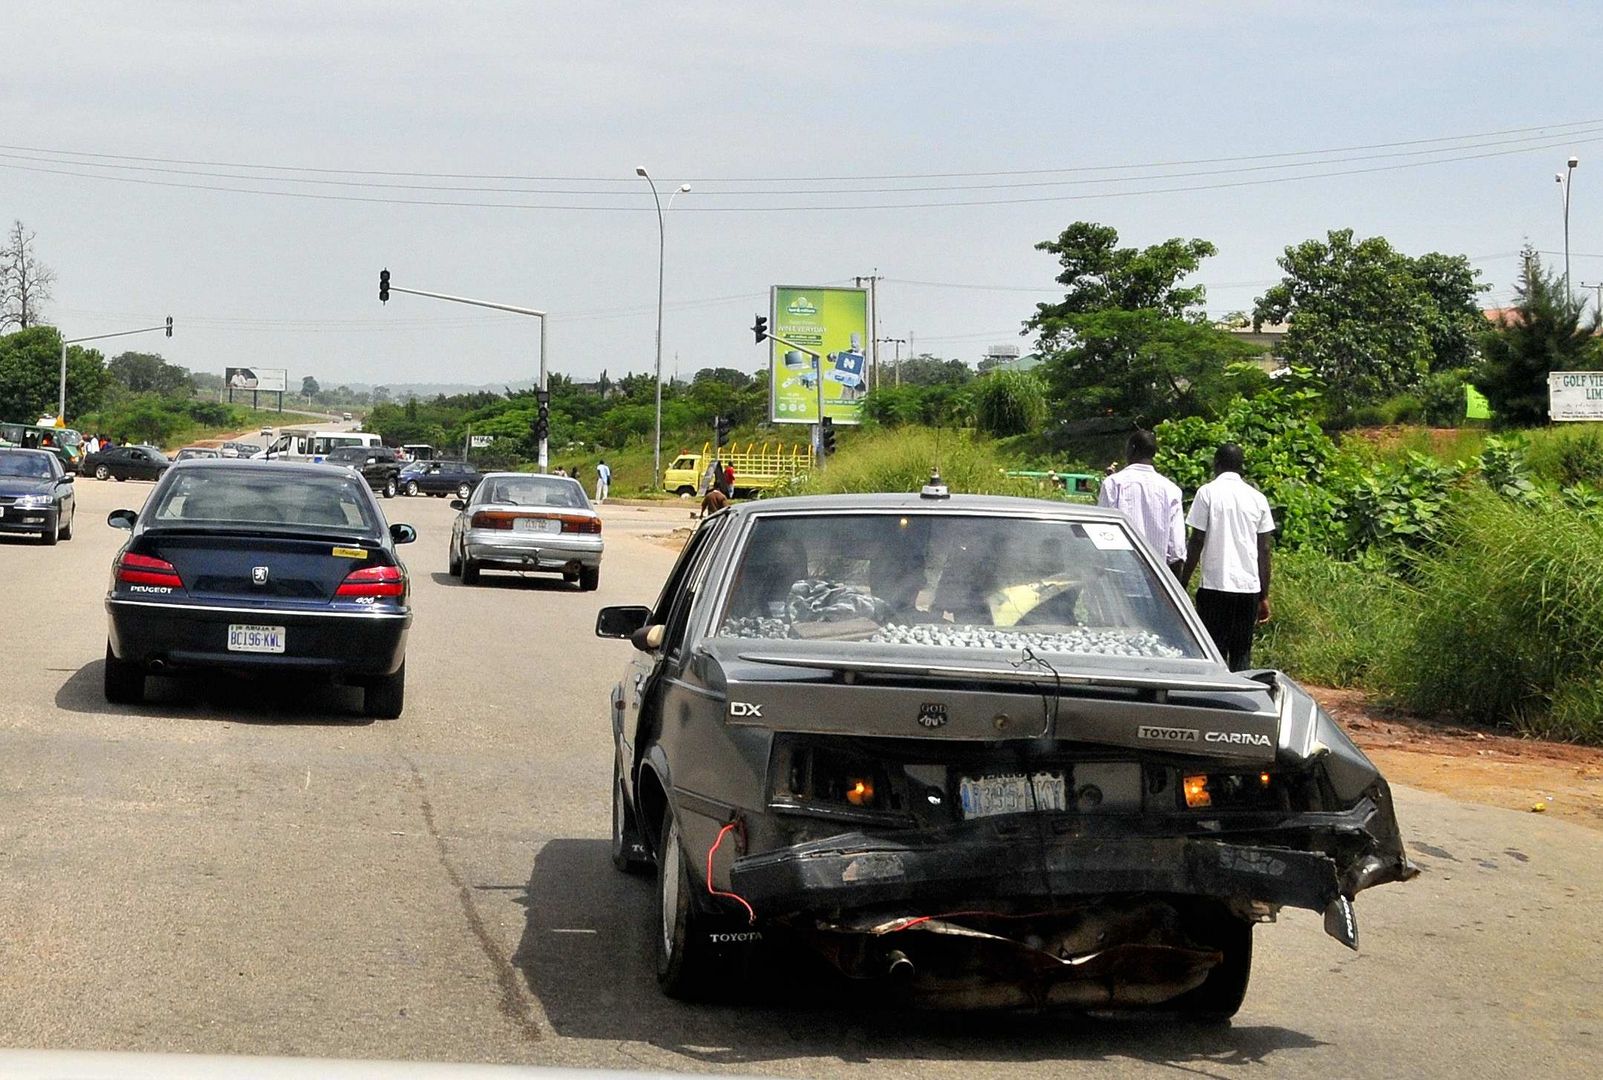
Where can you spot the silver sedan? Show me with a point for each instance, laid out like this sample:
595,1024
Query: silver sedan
526,522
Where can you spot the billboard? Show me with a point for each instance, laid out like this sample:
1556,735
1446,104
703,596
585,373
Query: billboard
831,321
256,378
1575,395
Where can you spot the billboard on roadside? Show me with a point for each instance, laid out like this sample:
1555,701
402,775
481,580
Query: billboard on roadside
256,378
833,322
1575,395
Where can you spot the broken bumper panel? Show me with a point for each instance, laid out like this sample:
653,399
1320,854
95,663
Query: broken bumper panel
939,871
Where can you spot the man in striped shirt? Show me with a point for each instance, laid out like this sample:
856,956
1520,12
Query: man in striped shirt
1149,500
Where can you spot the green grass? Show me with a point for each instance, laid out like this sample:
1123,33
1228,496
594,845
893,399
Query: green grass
900,459
1334,623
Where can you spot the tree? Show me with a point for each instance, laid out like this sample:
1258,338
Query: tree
1367,319
929,370
24,281
381,395
1544,331
29,362
730,377
1130,338
309,387
144,373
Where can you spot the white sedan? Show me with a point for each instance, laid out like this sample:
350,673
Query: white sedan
528,523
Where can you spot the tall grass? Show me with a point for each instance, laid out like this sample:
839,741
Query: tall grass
1506,620
1335,623
900,459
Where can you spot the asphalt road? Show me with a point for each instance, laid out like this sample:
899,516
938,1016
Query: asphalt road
243,869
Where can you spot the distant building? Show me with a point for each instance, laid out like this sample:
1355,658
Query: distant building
1267,338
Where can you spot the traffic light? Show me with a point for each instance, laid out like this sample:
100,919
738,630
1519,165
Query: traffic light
542,421
826,436
723,425
759,328
384,286
169,326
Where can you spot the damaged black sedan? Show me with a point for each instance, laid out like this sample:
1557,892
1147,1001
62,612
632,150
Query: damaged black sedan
979,748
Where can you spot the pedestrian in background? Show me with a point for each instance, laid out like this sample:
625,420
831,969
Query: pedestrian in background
603,480
1150,501
1230,526
729,481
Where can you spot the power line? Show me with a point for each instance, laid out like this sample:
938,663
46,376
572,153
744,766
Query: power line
1555,128
774,192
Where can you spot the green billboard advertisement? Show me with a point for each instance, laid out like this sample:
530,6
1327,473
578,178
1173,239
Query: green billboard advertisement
834,323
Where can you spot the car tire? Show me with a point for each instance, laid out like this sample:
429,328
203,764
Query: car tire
389,488
411,487
470,570
686,965
66,534
685,492
102,473
464,492
125,682
119,478
51,534
1222,992
589,578
384,697
453,562
627,843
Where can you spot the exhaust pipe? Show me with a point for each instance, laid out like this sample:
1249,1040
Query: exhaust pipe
898,967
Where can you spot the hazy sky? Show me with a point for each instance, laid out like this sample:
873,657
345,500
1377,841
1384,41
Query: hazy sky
806,101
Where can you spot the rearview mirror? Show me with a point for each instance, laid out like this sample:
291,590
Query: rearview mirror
403,534
458,504
621,621
122,519
67,479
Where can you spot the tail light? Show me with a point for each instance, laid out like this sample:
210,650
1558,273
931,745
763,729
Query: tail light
581,525
373,581
491,519
135,569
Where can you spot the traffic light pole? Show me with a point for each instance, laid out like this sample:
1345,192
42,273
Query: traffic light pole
61,398
818,362
385,288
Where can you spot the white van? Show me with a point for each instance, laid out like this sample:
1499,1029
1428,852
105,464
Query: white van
300,444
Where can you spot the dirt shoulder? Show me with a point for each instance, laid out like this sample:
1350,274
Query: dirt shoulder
1474,765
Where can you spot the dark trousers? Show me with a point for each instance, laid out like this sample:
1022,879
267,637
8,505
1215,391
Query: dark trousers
1230,618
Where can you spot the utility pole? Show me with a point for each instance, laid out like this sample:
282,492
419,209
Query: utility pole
898,342
873,322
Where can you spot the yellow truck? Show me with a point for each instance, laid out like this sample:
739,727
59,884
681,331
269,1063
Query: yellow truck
756,468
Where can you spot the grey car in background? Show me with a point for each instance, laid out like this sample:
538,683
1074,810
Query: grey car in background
526,522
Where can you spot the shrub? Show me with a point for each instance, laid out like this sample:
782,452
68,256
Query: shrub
1569,457
1442,398
1505,621
1009,403
1334,622
1502,464
1397,503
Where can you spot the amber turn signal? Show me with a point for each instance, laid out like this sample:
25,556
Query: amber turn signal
860,792
1196,789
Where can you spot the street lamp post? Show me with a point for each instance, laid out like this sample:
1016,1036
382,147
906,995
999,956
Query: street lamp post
662,249
1598,285
1565,180
61,397
385,288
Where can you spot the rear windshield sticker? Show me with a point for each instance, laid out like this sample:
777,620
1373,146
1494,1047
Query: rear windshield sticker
1108,537
361,553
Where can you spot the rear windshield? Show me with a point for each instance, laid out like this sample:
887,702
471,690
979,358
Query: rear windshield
37,466
533,491
972,582
255,497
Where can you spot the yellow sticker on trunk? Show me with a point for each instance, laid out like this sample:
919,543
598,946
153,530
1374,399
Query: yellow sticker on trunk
350,553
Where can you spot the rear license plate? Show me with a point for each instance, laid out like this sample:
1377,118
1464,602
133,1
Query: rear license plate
246,638
535,525
985,796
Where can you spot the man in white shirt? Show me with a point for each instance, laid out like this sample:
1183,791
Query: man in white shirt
603,480
1148,499
1230,526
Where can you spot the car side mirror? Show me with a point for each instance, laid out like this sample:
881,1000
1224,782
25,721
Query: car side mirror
458,504
67,479
402,534
622,620
122,519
